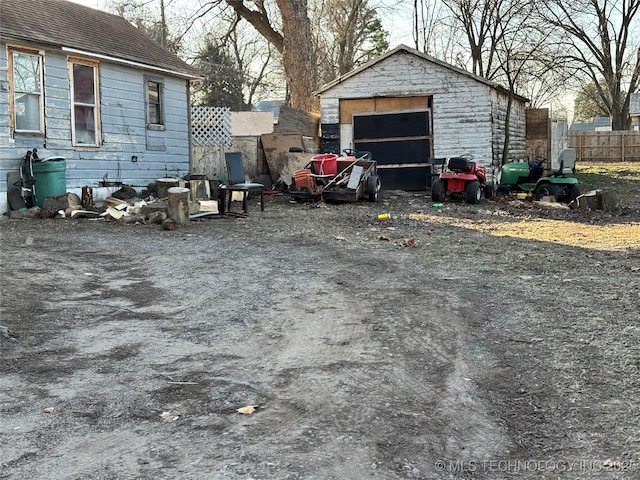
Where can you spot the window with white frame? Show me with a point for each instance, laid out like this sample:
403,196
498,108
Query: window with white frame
27,105
155,110
85,104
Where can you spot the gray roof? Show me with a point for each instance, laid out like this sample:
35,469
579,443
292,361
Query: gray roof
597,122
424,56
61,24
272,106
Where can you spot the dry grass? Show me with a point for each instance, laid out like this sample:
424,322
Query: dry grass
623,177
592,230
611,236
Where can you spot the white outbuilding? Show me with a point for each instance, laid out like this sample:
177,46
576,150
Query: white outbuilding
408,108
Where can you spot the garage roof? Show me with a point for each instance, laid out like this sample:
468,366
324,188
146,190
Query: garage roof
84,30
429,58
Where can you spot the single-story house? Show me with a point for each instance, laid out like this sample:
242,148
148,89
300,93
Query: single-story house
88,86
597,124
406,107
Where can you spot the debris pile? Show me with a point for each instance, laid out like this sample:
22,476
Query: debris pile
163,204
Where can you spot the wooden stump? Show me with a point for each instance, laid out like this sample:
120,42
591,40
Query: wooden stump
164,184
606,200
179,204
87,198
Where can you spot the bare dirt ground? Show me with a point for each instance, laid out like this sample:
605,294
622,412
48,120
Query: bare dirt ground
487,341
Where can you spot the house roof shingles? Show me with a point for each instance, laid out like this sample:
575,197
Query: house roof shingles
58,23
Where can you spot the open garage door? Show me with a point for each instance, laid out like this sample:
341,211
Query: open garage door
401,143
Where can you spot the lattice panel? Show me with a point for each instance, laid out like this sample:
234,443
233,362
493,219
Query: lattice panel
211,125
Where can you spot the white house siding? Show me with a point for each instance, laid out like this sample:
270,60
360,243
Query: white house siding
124,134
461,105
517,127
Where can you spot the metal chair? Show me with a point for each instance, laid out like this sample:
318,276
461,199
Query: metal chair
237,183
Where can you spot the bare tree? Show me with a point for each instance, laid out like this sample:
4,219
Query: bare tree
347,34
294,44
601,41
151,17
516,51
434,31
502,45
483,23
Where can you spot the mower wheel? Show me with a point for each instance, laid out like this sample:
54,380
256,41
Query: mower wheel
574,192
488,191
472,192
374,185
546,190
438,190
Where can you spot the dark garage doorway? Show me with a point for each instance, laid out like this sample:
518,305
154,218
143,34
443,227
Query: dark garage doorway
401,144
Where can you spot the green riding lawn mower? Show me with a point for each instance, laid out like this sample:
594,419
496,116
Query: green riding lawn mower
528,179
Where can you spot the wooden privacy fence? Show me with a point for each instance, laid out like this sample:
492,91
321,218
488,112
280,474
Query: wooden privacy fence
619,146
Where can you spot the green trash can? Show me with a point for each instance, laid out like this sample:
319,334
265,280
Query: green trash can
50,179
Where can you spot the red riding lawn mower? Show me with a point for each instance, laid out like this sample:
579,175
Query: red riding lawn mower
461,176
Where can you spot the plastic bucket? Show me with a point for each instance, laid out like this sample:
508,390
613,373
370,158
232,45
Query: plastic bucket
325,164
50,179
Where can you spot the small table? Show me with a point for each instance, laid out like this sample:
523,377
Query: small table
226,193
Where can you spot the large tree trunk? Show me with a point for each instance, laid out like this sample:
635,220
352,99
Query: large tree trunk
298,57
295,45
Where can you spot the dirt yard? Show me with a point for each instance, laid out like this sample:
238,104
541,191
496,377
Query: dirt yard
490,341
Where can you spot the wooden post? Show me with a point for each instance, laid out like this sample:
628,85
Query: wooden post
179,204
164,184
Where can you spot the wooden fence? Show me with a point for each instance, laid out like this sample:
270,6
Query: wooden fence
619,146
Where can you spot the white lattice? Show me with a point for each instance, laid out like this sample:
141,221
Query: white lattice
211,125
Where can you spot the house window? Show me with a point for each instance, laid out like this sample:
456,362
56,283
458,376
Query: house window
155,110
85,107
27,106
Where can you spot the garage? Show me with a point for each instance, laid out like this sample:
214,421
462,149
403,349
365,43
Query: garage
407,108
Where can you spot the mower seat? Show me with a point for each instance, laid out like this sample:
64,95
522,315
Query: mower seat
459,165
567,161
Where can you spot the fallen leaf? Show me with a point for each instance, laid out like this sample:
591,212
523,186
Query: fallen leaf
248,410
48,410
410,242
